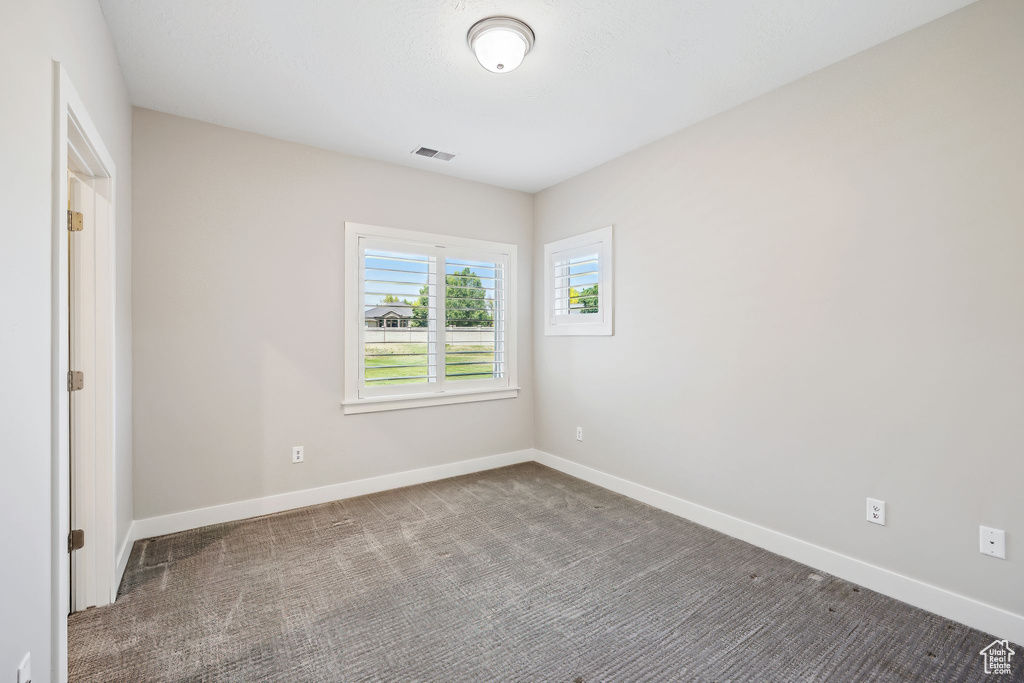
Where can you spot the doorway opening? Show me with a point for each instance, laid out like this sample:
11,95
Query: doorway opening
84,563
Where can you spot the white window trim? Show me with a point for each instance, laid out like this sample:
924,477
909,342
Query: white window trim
355,324
597,324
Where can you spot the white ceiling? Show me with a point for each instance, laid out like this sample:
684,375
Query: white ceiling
378,78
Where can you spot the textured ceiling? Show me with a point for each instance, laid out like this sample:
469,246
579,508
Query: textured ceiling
378,78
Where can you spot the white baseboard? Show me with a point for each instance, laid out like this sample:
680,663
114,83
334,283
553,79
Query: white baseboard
230,512
122,559
979,615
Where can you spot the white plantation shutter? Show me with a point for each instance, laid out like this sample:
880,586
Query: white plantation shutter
578,284
577,275
475,315
399,290
433,319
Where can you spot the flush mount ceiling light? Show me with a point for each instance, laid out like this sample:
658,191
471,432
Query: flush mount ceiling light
500,43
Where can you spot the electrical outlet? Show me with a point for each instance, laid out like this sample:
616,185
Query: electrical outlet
297,454
993,542
876,511
579,433
25,669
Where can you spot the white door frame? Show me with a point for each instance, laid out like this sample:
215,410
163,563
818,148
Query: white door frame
76,136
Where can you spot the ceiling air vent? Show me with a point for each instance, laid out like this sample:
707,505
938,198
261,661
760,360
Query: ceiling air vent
434,154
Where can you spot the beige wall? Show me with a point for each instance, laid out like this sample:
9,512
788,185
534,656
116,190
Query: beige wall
838,264
839,267
32,35
239,319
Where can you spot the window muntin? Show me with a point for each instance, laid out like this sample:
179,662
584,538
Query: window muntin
436,318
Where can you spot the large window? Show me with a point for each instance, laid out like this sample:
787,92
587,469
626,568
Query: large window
430,319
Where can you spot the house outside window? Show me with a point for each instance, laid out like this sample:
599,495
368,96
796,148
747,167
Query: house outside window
389,315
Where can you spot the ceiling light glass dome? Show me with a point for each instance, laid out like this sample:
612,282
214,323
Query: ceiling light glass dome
500,43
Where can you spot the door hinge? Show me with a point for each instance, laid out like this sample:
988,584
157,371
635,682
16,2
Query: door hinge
75,221
76,539
76,380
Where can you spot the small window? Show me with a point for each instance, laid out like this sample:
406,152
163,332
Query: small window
444,319
578,284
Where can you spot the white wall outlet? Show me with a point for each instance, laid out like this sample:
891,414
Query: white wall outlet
993,542
25,669
297,454
579,433
876,511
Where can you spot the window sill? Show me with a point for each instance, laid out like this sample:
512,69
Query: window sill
375,405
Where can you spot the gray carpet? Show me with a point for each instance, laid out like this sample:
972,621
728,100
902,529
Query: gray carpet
516,574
